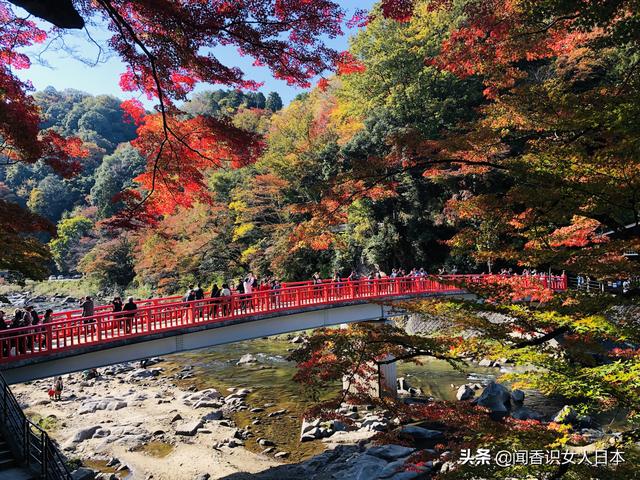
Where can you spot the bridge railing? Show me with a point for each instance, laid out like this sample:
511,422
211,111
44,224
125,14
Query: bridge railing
167,314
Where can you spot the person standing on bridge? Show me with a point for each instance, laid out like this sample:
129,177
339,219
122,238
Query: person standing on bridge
198,294
215,300
88,311
117,308
117,304
225,299
130,308
190,295
249,285
87,307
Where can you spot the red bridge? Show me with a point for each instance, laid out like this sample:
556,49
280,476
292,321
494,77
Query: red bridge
168,325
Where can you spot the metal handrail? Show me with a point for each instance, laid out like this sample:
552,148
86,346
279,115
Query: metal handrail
29,442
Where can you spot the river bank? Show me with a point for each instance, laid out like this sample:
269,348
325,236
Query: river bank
141,418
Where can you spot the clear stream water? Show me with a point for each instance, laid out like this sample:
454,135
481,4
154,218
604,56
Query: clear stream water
271,380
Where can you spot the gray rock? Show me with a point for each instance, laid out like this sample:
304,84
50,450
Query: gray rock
113,461
525,413
101,433
208,395
364,467
83,473
277,413
465,392
85,434
202,476
297,339
110,404
390,452
406,475
281,455
419,433
265,443
391,469
247,359
496,398
312,434
337,426
485,362
214,415
188,429
306,426
566,415
517,396
142,373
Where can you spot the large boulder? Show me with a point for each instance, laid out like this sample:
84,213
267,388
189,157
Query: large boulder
209,398
143,373
110,404
363,467
496,398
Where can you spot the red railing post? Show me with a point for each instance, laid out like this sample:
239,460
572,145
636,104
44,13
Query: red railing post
99,325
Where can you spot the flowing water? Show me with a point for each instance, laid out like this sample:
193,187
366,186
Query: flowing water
271,380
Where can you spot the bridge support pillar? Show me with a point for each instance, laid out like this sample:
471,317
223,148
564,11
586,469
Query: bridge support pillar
380,381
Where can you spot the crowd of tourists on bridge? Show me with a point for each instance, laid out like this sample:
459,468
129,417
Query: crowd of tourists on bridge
243,288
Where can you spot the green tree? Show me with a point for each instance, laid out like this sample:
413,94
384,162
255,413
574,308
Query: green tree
261,101
66,247
274,102
51,198
115,173
110,263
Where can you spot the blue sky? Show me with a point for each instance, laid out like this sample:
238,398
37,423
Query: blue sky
64,70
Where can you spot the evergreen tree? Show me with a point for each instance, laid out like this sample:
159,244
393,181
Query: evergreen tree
274,102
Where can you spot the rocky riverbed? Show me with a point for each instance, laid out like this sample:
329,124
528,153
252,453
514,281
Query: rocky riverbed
229,413
137,423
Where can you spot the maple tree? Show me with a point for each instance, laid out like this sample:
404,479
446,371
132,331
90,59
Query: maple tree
167,48
560,121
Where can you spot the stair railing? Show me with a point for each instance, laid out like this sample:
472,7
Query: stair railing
28,441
